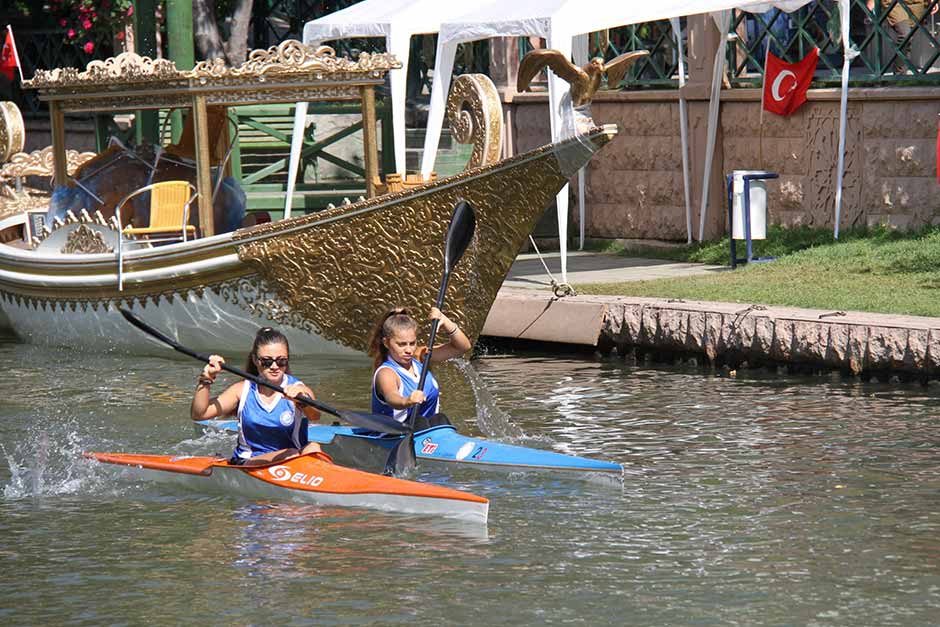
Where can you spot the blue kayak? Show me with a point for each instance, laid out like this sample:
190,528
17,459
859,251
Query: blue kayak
359,448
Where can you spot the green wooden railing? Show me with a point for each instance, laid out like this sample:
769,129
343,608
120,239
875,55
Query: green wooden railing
885,58
260,161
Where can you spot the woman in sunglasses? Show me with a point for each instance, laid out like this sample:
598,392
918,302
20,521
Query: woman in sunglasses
271,426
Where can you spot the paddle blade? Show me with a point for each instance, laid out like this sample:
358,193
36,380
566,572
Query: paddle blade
462,225
402,457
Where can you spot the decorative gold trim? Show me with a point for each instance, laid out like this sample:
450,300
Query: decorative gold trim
12,202
127,67
12,130
475,114
293,57
249,293
85,298
84,240
288,59
395,183
41,163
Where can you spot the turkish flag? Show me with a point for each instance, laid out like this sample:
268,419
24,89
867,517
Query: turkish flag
786,84
9,60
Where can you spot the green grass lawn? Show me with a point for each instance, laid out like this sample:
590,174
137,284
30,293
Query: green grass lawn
876,270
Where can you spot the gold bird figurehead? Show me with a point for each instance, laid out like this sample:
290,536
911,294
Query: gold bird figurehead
584,81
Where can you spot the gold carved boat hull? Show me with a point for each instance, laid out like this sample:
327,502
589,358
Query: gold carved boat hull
323,278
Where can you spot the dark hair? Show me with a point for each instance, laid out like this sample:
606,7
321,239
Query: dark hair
265,336
394,320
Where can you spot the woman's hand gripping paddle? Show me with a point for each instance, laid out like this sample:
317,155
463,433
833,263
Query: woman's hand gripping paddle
462,225
374,422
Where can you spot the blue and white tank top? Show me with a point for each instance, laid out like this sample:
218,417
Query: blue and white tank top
407,383
272,426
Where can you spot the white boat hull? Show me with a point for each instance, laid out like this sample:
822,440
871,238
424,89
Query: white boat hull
237,482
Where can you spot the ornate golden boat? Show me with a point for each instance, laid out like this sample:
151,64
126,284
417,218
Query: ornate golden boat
323,277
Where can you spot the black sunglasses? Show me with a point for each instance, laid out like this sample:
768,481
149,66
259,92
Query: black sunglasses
267,362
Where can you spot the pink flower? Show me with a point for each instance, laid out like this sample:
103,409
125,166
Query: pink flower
93,15
130,10
88,47
71,33
120,35
63,22
86,24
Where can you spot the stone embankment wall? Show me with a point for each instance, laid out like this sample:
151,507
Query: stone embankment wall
732,334
726,334
634,186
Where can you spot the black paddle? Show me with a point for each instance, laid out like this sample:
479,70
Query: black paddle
462,225
373,422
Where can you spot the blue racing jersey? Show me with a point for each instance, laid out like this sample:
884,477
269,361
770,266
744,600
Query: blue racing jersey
407,383
267,427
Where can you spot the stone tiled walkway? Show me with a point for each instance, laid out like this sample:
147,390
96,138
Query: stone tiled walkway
528,272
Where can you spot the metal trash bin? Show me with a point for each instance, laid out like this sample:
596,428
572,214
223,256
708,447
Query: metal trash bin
747,211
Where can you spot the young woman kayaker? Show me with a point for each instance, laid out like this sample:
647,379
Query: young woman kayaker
394,346
270,426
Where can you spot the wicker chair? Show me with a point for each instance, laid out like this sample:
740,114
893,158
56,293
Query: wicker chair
169,217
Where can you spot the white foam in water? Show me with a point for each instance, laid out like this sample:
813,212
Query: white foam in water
213,442
492,420
49,464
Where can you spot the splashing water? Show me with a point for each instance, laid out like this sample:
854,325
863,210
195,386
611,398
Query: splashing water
492,420
208,441
48,464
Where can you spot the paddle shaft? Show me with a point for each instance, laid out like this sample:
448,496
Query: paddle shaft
143,326
426,364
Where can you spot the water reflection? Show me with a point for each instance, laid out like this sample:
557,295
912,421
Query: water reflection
287,540
760,499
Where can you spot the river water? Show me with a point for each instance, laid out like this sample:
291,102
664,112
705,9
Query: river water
750,500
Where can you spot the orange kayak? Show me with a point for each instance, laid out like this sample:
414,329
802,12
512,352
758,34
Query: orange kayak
311,478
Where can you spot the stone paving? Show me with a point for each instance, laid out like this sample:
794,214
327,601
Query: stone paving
727,333
583,267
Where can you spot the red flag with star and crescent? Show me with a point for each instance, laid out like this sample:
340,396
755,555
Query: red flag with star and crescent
9,60
786,84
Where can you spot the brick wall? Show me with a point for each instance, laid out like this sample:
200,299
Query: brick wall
635,190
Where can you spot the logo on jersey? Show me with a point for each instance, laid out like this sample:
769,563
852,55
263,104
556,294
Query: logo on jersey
428,446
287,418
283,473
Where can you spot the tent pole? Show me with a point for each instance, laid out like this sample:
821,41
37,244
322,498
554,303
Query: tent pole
296,145
683,129
723,22
848,53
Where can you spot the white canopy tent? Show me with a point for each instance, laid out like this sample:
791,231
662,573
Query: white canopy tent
559,22
394,20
